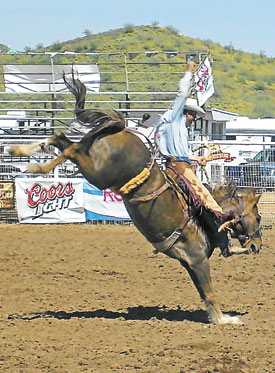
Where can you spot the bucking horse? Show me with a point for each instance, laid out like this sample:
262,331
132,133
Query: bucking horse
112,156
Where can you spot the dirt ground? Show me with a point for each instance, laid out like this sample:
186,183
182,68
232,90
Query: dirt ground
93,298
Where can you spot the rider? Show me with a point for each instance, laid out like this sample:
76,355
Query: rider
171,137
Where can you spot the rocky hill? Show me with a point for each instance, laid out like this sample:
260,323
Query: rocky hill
244,82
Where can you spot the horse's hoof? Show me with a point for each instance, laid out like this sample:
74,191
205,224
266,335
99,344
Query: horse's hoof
15,150
227,319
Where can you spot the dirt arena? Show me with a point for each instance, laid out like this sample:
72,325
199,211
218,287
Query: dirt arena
93,298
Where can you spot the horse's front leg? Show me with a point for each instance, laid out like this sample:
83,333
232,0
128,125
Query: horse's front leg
200,275
199,271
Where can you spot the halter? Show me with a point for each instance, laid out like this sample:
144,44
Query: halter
248,237
240,219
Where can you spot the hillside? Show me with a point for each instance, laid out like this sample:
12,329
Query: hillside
244,82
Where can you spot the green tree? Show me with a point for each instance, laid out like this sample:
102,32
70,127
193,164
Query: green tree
87,32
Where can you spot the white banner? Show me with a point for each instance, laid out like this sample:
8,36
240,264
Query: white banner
204,82
47,78
103,204
41,200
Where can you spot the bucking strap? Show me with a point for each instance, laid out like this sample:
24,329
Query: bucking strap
133,183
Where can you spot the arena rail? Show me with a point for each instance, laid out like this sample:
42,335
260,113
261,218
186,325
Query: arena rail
222,165
133,83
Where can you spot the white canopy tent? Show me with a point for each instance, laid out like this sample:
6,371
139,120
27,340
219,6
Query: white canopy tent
47,78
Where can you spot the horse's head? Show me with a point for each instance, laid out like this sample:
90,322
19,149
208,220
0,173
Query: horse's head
247,228
241,206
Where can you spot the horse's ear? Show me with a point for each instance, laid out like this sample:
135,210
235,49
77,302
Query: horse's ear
257,198
227,190
232,188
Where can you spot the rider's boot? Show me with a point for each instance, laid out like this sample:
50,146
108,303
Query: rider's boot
210,224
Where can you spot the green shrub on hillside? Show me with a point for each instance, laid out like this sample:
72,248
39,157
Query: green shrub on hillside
244,82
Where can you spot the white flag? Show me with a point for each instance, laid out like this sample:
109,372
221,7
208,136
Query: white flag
204,81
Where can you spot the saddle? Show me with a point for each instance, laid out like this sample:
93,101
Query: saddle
183,175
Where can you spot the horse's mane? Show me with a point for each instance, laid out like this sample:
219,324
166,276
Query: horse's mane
230,194
225,191
95,119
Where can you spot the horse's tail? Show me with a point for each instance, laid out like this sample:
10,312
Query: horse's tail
91,117
78,89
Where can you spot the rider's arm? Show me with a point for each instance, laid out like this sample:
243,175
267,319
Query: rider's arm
183,91
198,158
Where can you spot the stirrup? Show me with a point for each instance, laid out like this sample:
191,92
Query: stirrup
226,252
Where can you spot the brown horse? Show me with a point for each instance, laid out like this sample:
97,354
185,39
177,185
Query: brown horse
111,156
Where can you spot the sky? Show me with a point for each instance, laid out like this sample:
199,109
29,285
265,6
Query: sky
247,25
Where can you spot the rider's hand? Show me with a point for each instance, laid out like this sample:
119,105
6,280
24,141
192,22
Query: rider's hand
201,160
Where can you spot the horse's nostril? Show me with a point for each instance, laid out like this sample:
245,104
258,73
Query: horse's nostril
253,248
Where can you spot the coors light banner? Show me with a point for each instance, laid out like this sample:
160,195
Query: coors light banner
42,200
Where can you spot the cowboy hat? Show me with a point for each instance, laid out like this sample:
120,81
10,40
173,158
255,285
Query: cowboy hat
192,105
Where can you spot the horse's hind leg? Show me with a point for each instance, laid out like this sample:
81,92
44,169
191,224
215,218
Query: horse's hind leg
200,275
60,141
45,168
73,152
